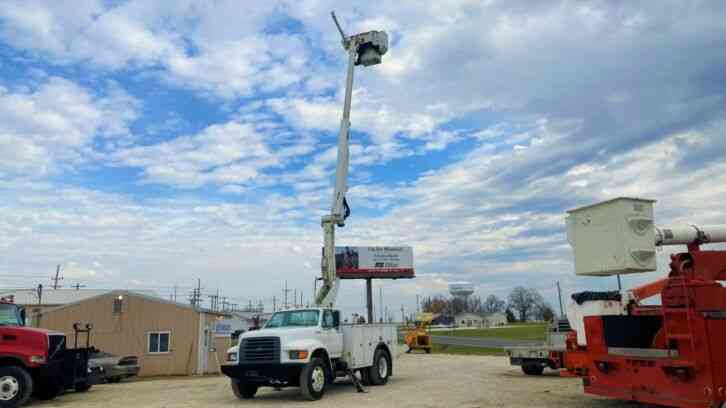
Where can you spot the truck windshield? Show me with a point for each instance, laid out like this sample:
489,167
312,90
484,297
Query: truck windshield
9,315
293,318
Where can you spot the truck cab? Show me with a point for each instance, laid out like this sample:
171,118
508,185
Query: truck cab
309,348
35,361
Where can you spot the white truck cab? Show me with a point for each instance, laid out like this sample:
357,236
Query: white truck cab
309,348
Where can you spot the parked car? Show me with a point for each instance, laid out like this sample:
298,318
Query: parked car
114,368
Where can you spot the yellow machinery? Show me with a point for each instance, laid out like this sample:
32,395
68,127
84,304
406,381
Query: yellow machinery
418,337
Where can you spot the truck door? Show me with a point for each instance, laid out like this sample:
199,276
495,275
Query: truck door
332,334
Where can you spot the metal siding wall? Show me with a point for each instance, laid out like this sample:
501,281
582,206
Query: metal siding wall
126,333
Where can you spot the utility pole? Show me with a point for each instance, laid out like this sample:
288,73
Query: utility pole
380,301
175,293
559,297
57,277
196,294
285,291
369,299
214,300
403,315
417,303
294,298
274,304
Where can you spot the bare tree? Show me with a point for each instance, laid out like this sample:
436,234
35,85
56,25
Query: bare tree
524,301
543,311
493,304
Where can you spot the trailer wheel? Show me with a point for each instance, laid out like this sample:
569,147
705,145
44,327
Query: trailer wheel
381,368
16,385
313,380
243,390
48,389
83,386
533,369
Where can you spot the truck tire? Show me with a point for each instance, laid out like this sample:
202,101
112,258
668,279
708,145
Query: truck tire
16,385
533,369
313,379
381,368
243,390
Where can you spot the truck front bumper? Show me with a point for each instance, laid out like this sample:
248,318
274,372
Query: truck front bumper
278,375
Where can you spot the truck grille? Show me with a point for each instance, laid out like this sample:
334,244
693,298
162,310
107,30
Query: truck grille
260,350
56,346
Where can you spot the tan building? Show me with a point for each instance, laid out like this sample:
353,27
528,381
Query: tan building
169,338
37,301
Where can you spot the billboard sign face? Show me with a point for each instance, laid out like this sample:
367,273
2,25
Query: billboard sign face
374,262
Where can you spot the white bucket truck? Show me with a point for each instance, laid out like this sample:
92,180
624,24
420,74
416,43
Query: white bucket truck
308,347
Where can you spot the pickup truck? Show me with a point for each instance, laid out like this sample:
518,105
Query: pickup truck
309,348
534,359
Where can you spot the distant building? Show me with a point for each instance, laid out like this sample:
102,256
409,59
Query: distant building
469,320
496,319
169,338
480,320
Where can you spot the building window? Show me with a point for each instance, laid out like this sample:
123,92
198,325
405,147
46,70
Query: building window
159,342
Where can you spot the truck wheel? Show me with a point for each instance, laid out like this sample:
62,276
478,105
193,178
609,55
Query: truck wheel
243,390
533,369
16,385
313,380
381,368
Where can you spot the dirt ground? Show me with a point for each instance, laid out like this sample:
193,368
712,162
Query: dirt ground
419,380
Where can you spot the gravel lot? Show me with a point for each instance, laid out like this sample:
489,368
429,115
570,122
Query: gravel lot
420,380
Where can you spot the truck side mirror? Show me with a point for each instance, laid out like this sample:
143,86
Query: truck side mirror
22,316
336,319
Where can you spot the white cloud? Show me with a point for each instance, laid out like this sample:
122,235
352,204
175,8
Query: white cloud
185,43
53,124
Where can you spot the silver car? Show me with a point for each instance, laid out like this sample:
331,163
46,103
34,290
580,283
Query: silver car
114,368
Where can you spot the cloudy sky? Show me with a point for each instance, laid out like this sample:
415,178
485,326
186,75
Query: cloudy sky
148,144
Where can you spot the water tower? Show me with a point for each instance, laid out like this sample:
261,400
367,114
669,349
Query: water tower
461,289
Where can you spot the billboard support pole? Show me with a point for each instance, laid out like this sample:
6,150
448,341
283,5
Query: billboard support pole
369,299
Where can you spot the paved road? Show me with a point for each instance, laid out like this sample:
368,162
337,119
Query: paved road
480,341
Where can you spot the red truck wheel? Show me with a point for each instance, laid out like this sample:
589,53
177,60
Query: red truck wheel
16,385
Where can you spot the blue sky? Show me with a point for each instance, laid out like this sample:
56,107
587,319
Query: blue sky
144,145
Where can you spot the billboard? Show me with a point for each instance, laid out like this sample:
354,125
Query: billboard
391,262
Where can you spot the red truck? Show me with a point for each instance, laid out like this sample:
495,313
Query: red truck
37,362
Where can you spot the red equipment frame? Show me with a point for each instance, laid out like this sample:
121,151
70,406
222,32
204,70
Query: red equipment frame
684,363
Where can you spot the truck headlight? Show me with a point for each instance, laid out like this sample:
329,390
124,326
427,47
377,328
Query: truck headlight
37,359
232,357
298,354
